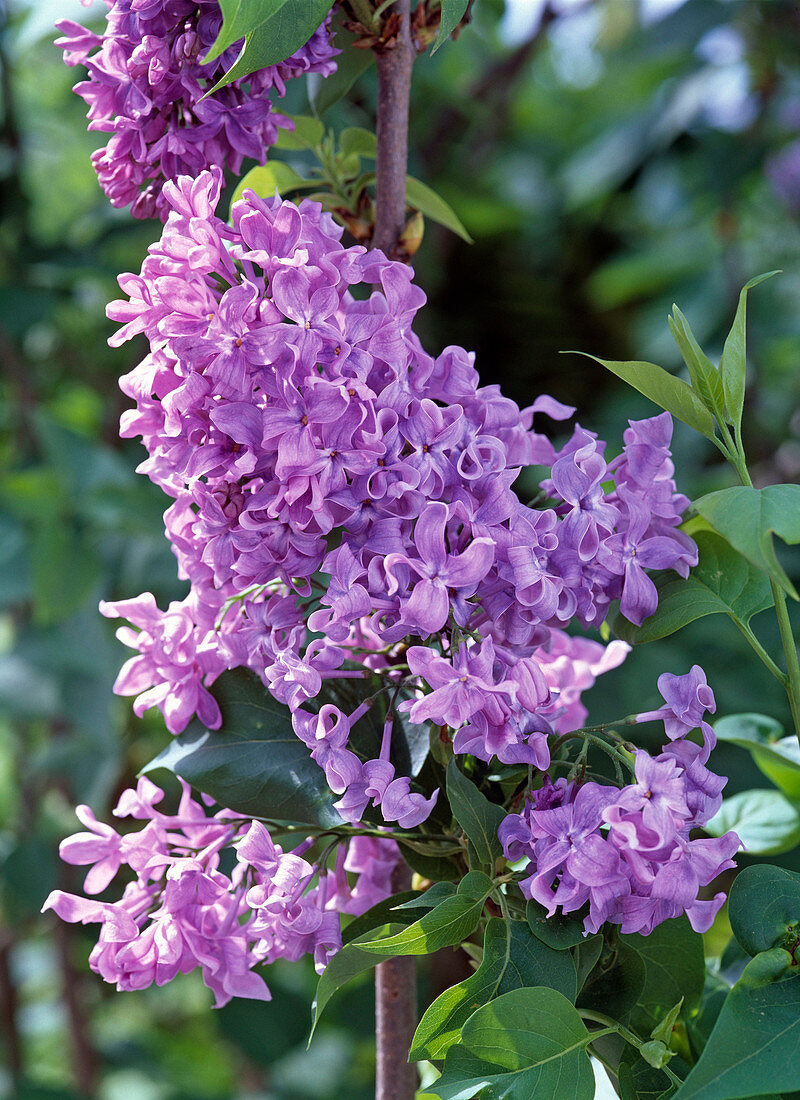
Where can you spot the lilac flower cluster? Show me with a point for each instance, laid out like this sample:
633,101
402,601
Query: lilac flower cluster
293,416
146,85
181,912
629,853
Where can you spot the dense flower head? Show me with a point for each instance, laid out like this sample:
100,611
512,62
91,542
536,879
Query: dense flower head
146,86
327,474
628,855
182,912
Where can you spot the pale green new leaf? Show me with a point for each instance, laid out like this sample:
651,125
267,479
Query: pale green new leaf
733,364
705,380
266,179
421,197
452,14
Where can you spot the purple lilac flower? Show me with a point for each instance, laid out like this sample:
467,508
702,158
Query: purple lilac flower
146,86
629,855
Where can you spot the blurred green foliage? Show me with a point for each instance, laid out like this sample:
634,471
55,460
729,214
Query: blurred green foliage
607,162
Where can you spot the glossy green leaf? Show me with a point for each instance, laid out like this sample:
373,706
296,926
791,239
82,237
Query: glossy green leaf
307,133
266,179
733,364
586,955
559,931
254,763
706,382
528,1043
756,1036
272,30
512,958
672,394
764,907
447,925
478,817
421,197
343,967
243,18
675,968
777,756
452,14
722,582
615,984
767,822
324,92
749,517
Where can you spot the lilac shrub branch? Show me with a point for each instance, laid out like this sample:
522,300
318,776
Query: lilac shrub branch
395,60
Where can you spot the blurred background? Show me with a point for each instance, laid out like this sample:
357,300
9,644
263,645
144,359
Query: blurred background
609,157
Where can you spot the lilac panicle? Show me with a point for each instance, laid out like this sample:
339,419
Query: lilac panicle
146,86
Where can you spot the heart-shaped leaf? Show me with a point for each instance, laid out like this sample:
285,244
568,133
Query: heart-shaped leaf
764,907
766,822
777,756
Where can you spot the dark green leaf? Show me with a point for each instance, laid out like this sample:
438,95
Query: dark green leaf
452,14
586,955
675,968
749,517
388,910
447,925
559,931
767,822
672,394
639,1081
756,1037
777,756
343,967
764,908
254,763
275,30
436,868
614,987
421,197
722,582
512,958
478,817
706,382
733,364
528,1043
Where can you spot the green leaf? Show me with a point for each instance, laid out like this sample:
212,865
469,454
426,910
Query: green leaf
447,925
672,394
427,899
756,1036
639,1081
241,18
421,197
706,382
749,517
343,967
307,133
722,582
266,179
355,141
733,364
616,984
478,817
272,30
452,14
586,956
764,907
528,1043
767,822
778,757
255,763
390,910
561,931
512,958
350,64
675,968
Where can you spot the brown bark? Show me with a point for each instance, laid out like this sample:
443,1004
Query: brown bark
395,59
396,1017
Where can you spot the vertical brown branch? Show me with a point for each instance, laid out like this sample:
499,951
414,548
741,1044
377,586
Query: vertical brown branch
396,1017
395,58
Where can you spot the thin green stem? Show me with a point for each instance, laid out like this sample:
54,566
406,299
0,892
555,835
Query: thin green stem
790,652
758,648
628,1036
